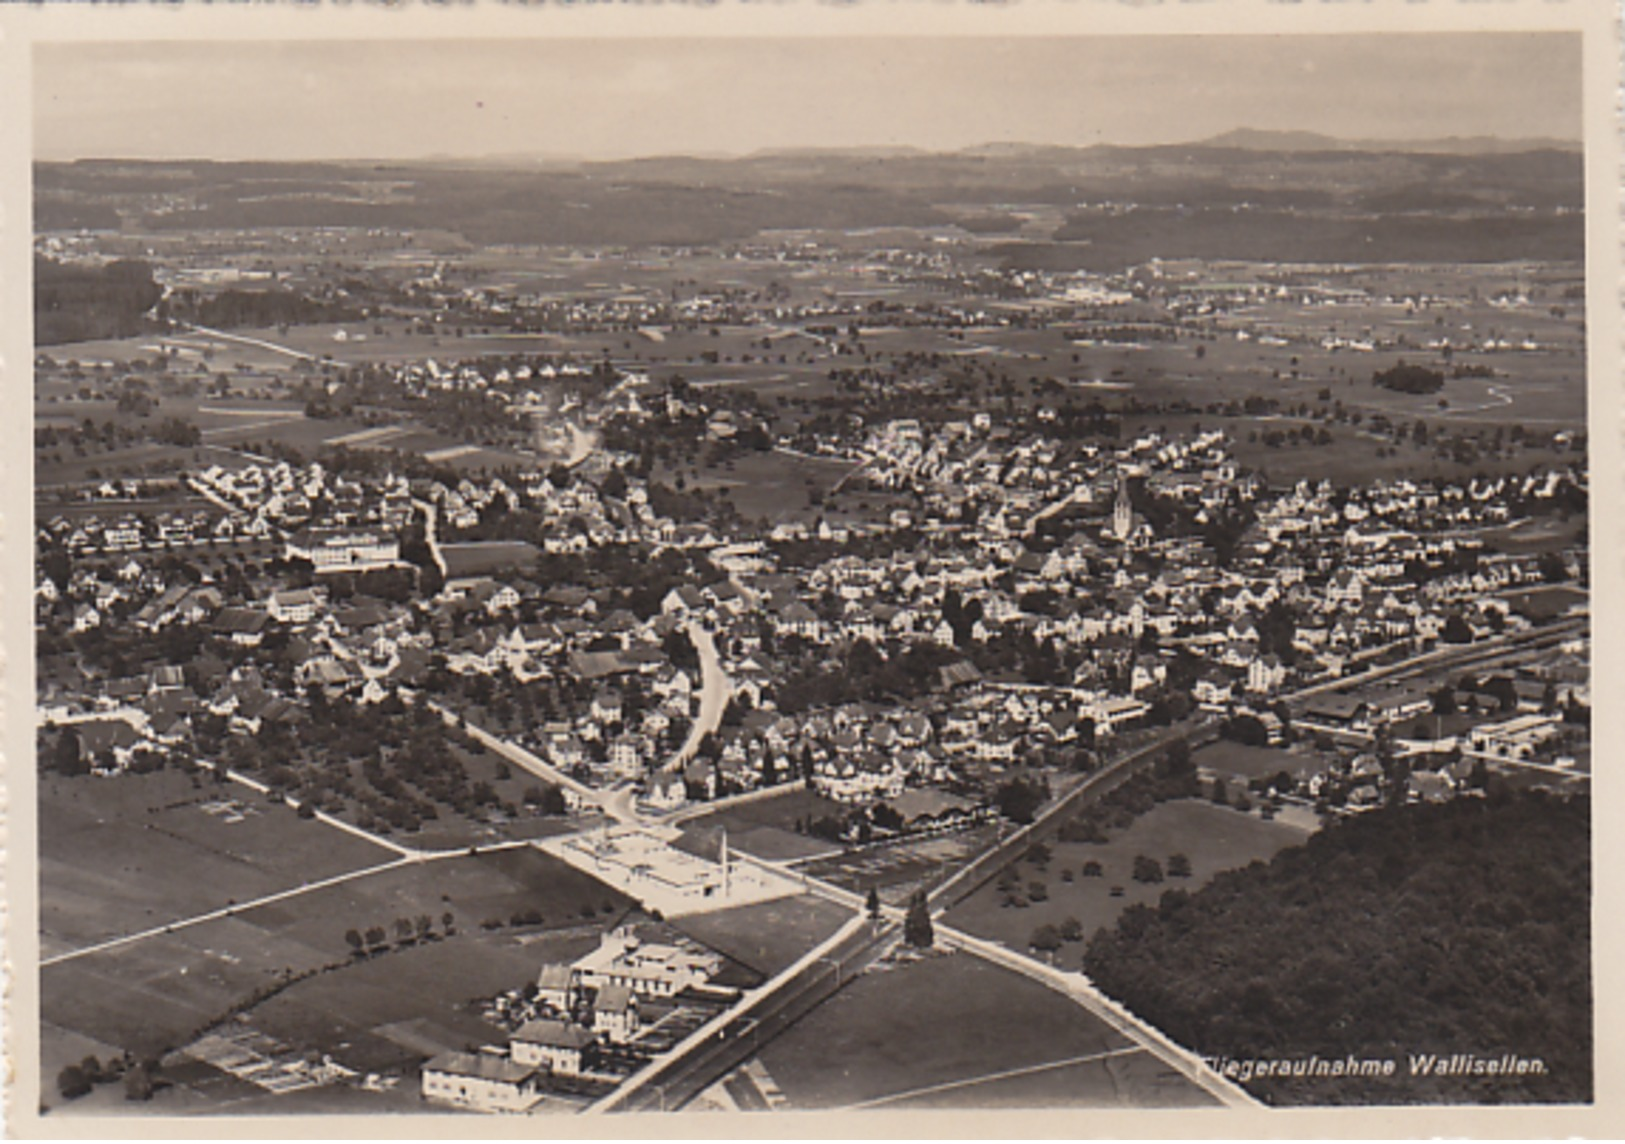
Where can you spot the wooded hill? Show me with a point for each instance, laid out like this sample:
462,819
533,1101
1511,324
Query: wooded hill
1454,928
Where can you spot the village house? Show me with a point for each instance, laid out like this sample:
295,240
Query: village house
556,1045
293,607
615,1013
486,1082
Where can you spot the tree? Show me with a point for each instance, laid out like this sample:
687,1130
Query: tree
67,758
1147,869
1221,795
1019,799
1045,939
873,904
72,1083
138,1082
1179,866
1456,630
353,937
1092,869
917,929
448,922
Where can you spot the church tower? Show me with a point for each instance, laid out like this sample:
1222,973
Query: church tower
1122,511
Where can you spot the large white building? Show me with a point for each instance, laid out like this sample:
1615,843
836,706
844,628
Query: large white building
647,970
343,550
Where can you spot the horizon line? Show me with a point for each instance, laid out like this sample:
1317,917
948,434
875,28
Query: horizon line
1535,143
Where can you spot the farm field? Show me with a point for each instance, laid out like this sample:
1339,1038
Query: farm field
125,853
1214,838
939,1020
391,1011
492,886
155,994
768,936
382,1015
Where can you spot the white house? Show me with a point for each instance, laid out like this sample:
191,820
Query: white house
484,1081
550,1044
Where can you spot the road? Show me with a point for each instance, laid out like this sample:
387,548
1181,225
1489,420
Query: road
733,1039
225,911
715,691
615,803
264,345
431,535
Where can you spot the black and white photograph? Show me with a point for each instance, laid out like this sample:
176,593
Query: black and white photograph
611,575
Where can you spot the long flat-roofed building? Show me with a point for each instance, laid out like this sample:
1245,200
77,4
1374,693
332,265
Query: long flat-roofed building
343,549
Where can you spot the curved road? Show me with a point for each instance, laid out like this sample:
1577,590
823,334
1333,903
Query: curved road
715,690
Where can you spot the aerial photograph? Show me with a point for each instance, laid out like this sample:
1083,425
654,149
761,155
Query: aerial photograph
636,575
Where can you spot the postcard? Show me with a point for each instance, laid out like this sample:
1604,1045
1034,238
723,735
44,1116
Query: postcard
809,570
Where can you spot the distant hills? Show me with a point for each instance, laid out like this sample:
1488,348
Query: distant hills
1251,139
1240,139
1269,196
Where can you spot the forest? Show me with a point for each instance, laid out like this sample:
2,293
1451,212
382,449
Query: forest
1462,927
81,303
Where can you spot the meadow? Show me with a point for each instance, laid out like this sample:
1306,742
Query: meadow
124,853
1214,838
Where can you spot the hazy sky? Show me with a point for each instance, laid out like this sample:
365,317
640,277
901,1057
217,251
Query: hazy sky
608,98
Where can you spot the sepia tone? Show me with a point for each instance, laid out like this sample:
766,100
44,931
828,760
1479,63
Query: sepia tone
788,575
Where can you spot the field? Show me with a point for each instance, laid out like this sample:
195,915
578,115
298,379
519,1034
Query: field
155,993
491,886
1230,759
232,429
1214,838
1542,604
765,827
484,558
771,486
768,936
944,1021
382,1015
898,869
125,853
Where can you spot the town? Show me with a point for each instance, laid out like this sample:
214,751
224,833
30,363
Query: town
594,675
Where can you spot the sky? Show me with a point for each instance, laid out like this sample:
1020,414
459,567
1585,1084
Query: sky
619,98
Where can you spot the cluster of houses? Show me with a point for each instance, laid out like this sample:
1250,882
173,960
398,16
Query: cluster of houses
603,1000
1357,573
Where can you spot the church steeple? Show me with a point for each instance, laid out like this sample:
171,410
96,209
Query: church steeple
1122,511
